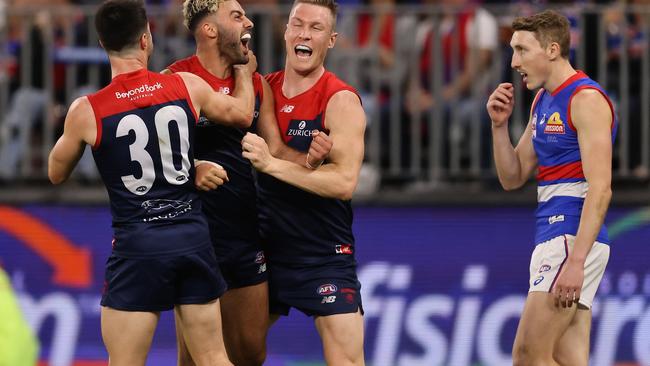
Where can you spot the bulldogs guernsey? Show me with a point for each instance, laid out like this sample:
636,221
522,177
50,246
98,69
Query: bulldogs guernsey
562,187
231,209
301,227
143,151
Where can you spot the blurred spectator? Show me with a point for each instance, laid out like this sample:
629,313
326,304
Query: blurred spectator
469,38
27,105
18,345
621,25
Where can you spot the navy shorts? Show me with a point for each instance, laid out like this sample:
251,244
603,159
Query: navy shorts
159,283
241,261
320,291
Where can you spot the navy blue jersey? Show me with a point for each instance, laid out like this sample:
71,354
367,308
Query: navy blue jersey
145,127
299,224
231,208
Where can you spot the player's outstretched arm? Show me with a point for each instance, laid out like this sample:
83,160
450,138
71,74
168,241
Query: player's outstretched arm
267,127
514,165
346,121
79,129
234,111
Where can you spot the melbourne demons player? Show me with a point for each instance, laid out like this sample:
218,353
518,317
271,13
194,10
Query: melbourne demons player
140,127
222,33
569,141
306,215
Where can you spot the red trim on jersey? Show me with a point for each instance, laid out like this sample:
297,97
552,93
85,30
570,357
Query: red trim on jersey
583,87
577,76
564,171
566,255
189,98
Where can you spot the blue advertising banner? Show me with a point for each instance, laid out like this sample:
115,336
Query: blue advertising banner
440,286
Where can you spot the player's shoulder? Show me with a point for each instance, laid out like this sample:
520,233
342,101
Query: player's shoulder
275,78
182,65
333,84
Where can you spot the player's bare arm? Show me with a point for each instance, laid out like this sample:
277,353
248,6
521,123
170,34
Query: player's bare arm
79,129
235,110
514,164
592,117
268,129
346,121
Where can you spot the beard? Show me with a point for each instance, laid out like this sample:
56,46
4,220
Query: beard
230,47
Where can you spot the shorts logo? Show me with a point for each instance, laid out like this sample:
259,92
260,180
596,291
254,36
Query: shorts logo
259,258
262,268
349,294
343,249
328,299
327,289
557,218
544,268
555,124
538,280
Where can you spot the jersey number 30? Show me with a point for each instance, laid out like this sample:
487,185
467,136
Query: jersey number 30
164,116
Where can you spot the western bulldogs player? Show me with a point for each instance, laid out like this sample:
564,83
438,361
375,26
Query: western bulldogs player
141,127
306,215
569,141
222,33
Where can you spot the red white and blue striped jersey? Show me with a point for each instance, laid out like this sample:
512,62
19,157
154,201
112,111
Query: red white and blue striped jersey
562,186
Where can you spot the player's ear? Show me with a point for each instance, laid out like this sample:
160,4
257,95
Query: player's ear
332,40
553,51
209,29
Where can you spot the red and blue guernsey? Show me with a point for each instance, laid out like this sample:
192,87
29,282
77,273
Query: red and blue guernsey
296,223
231,209
145,127
562,186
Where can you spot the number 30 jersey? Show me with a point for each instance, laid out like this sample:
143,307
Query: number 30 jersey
143,151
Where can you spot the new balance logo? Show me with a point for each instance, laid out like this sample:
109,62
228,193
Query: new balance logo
287,108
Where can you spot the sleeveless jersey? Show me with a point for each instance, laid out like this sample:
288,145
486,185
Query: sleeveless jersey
232,208
299,224
562,186
143,151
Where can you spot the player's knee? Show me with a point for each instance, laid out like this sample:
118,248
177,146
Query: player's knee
251,352
575,358
522,356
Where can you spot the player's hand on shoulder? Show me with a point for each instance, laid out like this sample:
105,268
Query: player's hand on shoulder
249,67
319,149
255,149
500,104
209,175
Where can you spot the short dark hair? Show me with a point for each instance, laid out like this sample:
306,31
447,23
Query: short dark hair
332,5
548,26
120,23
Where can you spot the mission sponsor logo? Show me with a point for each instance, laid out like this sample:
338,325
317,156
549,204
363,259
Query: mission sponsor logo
555,125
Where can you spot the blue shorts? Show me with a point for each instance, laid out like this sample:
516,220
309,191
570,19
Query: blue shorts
160,283
315,291
241,261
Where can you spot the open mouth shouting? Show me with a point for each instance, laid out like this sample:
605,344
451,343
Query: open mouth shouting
245,39
303,52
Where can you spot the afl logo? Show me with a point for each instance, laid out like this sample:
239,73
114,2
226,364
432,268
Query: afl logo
327,289
141,189
302,125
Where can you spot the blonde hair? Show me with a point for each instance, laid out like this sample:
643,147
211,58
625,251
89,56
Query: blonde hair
194,10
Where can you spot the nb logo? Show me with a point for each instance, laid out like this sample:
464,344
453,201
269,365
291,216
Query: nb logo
287,108
224,90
